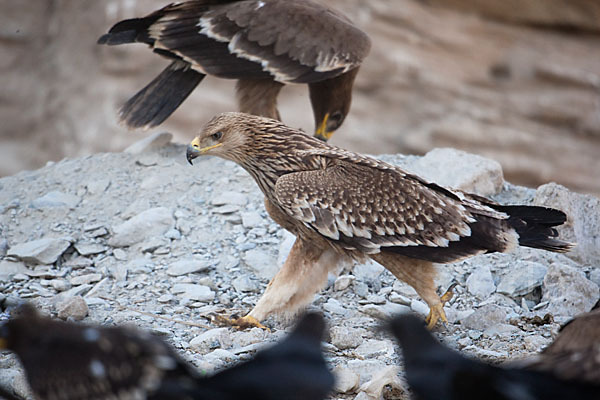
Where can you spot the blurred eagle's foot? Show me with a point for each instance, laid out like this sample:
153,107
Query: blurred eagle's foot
436,312
241,323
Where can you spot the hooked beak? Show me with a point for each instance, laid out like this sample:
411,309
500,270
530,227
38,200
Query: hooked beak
321,132
194,150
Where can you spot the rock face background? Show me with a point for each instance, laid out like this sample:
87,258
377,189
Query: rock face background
143,238
516,82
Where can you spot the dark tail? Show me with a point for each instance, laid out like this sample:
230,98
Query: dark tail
535,226
161,97
130,31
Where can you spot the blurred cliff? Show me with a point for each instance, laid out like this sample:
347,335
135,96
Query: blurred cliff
515,81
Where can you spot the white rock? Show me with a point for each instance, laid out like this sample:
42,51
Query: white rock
85,279
98,186
346,381
229,198
583,222
342,282
211,339
194,292
481,282
419,307
372,348
346,338
10,268
568,291
368,272
41,251
386,376
147,224
55,199
485,317
460,170
261,262
187,266
89,248
245,284
522,278
285,247
252,219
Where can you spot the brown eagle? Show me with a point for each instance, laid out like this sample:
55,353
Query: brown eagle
264,44
341,204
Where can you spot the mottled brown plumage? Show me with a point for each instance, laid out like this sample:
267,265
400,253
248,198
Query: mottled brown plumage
343,205
575,353
261,43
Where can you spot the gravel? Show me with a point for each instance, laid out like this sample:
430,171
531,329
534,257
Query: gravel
164,246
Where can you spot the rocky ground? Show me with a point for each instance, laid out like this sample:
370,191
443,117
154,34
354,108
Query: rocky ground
142,238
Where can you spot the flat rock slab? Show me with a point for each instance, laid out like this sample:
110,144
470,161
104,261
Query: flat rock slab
41,251
187,266
568,291
522,278
145,225
55,199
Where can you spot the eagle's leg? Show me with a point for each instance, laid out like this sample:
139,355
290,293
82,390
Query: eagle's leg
301,276
419,274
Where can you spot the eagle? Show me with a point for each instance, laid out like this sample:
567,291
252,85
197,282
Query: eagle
434,372
65,360
342,205
264,44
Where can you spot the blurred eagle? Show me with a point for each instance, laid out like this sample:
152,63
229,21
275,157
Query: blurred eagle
264,44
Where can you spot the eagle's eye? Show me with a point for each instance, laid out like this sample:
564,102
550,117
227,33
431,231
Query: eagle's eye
217,136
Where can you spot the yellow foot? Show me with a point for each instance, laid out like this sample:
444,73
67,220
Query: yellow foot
436,312
241,323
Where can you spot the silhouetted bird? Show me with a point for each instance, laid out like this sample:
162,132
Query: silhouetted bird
71,361
435,372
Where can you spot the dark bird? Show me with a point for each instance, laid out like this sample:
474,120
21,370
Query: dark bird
264,44
71,361
575,353
434,372
342,205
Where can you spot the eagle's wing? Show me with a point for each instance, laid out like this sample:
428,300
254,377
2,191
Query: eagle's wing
371,209
291,41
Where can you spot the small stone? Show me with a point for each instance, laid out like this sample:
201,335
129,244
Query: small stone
485,317
419,307
173,234
187,266
55,199
150,223
3,247
243,284
15,381
98,186
60,285
247,338
346,338
165,298
343,282
360,288
522,278
211,339
252,219
194,292
346,381
41,251
229,198
85,279
78,263
120,255
368,272
568,291
261,262
481,282
73,307
89,248
501,330
335,307
226,209
375,348
404,289
11,268
387,376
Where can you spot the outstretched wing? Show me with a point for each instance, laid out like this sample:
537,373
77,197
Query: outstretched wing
291,41
346,204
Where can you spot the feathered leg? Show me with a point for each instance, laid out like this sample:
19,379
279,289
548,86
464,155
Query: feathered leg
301,276
419,274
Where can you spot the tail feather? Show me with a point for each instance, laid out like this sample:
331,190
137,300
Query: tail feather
161,97
534,225
130,31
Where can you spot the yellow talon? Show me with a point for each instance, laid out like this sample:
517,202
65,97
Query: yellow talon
241,323
437,312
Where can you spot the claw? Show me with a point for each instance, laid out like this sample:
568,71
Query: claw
436,312
241,323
